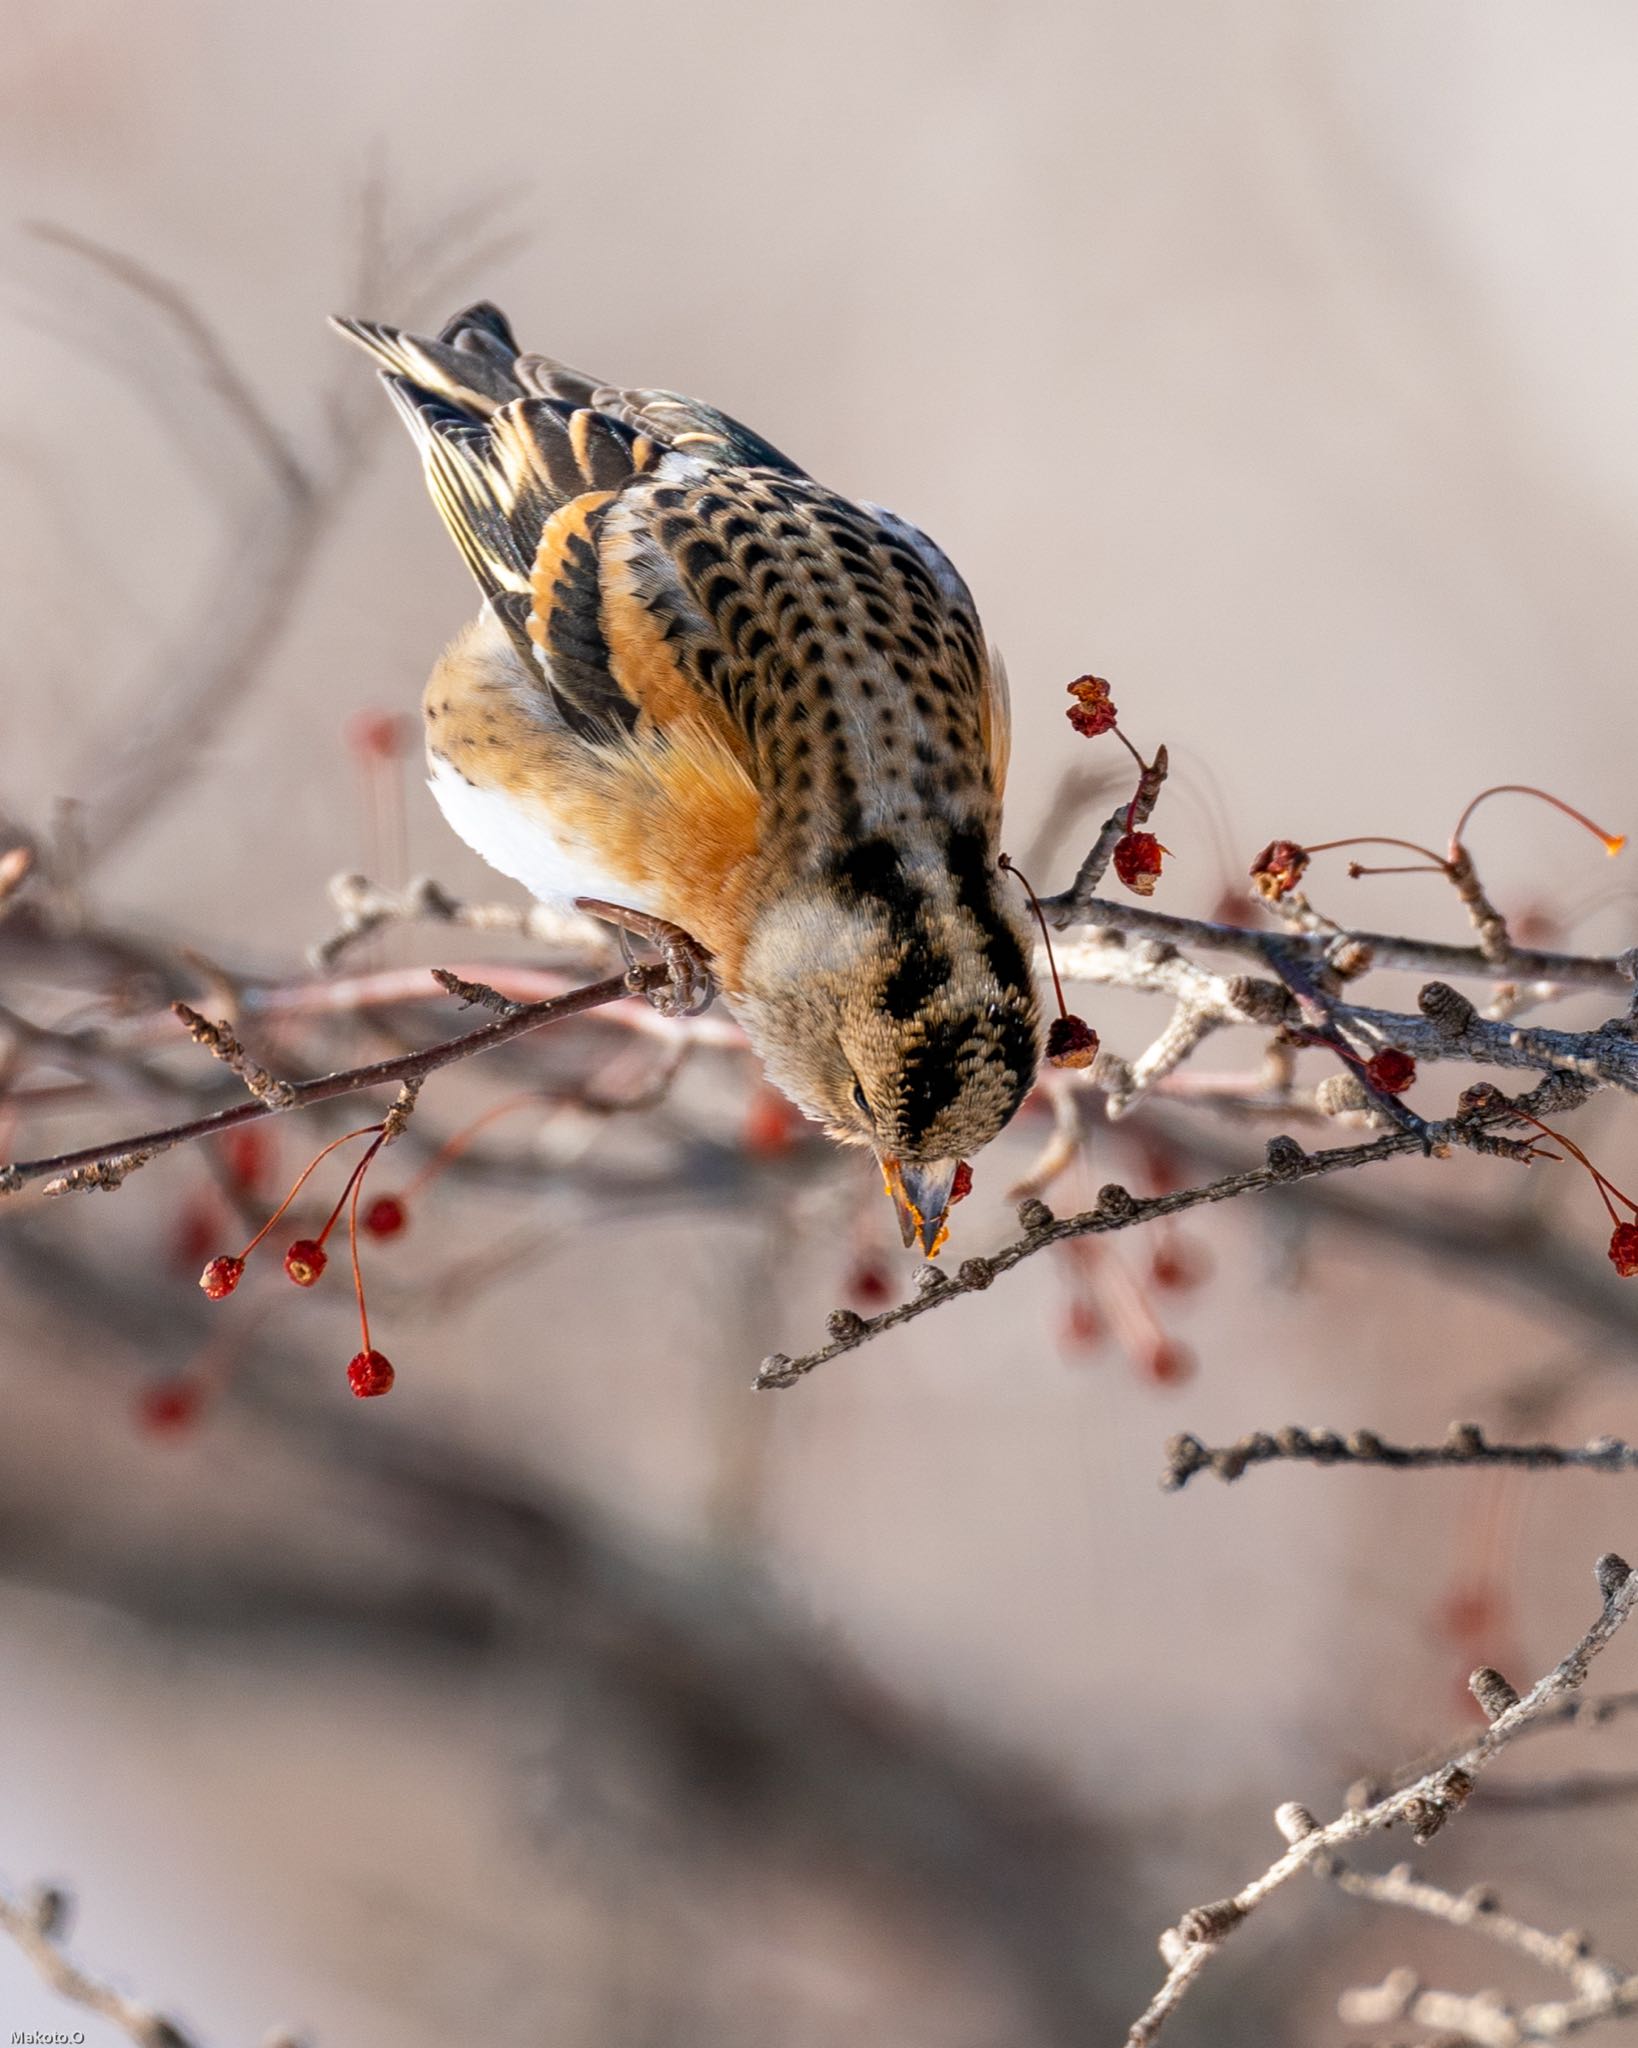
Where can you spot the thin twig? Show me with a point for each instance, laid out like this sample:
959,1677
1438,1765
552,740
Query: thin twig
1424,1806
413,1066
1118,1209
1602,1991
37,1924
1466,1444
1387,949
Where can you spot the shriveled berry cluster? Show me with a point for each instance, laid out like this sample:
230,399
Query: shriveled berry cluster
1137,855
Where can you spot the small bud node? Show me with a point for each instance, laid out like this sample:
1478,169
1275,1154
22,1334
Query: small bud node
1294,1821
1493,1692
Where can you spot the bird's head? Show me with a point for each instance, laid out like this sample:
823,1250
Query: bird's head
894,1003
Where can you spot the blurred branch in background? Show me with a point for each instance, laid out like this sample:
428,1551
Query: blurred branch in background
38,1925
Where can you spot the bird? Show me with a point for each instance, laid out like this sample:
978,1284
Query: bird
713,699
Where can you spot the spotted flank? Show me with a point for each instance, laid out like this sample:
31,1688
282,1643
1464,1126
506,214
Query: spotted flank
743,702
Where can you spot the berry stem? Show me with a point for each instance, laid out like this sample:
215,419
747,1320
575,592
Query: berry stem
354,1186
1380,839
1613,841
1605,1186
1013,868
355,1181
307,1173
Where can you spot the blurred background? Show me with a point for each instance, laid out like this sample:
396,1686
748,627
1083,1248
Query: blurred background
1274,361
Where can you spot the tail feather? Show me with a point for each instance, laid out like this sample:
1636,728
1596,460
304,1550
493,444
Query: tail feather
506,439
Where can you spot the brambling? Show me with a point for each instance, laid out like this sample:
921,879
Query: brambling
709,691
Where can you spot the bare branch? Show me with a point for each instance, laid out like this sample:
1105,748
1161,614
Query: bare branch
1387,949
366,908
1118,1209
1602,1991
1424,1806
407,1067
37,1924
206,350
1466,1444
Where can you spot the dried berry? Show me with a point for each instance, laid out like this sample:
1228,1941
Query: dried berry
1092,712
385,1217
961,1186
221,1276
370,1373
1137,861
305,1261
1390,1070
1279,868
1624,1250
1071,1042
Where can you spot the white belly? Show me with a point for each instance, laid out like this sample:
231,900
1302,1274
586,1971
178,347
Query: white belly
521,843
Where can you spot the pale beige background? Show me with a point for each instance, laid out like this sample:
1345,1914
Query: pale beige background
1276,361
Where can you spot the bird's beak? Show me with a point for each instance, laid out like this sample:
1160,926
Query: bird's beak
921,1194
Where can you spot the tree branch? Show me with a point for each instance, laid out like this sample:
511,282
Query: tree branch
37,1923
1424,1806
90,1166
1118,1209
1466,1444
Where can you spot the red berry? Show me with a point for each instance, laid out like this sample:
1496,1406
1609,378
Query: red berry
380,735
247,1153
868,1285
1092,712
1624,1249
1071,1042
222,1275
370,1373
172,1405
305,1261
1167,1364
385,1217
1467,1613
1390,1070
1279,868
1083,1327
772,1125
1137,861
962,1185
1176,1267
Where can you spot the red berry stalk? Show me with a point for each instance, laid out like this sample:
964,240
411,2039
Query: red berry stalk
369,1372
1623,1244
224,1272
1279,867
1137,855
1071,1041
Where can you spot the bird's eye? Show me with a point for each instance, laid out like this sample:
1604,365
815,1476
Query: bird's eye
859,1101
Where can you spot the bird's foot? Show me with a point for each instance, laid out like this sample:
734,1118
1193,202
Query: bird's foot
690,985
